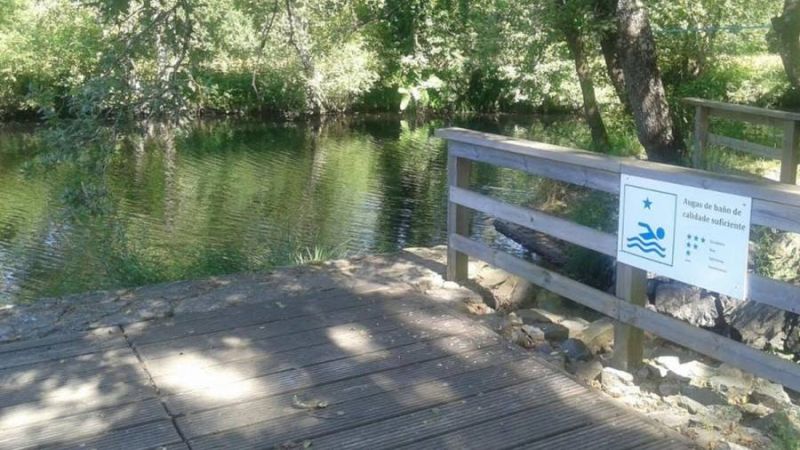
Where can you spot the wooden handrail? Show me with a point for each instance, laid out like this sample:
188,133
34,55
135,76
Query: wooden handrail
774,204
743,109
789,122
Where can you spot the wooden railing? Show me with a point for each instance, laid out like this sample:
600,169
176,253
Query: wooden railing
787,121
773,205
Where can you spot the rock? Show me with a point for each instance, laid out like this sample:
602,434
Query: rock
617,383
544,348
535,315
770,394
760,325
692,370
723,414
643,373
688,303
686,403
732,383
704,396
785,424
514,320
670,417
504,291
598,335
725,445
704,437
755,410
554,332
476,307
751,438
575,326
587,371
575,350
536,334
492,277
669,388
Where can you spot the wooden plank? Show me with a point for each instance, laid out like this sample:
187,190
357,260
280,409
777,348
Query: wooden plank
775,293
723,349
776,215
155,331
203,420
260,393
317,300
718,347
346,414
559,417
536,150
789,153
744,146
458,217
62,431
600,172
60,392
748,113
21,376
277,358
160,435
585,176
384,317
58,351
628,340
90,337
559,284
613,433
565,230
409,428
328,372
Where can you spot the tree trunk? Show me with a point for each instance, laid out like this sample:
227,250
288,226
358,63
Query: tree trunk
609,38
608,45
300,40
648,101
590,109
787,31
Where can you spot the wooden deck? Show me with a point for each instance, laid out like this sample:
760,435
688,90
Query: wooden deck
381,369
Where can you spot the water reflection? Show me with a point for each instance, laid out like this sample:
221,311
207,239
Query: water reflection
236,196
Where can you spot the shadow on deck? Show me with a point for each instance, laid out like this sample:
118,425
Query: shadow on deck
340,368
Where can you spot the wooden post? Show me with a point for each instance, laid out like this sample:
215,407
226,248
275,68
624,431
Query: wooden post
789,157
458,217
628,340
700,136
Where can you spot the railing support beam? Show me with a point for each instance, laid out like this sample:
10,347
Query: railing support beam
789,156
458,217
629,340
700,137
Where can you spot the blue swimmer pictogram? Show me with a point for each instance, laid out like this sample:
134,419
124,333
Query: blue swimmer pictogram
648,240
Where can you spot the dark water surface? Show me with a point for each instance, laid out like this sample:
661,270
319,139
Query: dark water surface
237,196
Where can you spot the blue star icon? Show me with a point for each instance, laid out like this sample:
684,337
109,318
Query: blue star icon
647,203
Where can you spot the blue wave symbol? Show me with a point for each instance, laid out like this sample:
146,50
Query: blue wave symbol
647,246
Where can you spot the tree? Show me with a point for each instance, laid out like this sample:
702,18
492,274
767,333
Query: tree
606,16
570,18
648,101
786,29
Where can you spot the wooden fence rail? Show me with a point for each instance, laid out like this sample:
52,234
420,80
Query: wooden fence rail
774,205
789,122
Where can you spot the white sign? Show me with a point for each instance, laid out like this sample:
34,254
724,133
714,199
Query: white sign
696,236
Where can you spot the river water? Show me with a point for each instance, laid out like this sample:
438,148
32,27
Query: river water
233,196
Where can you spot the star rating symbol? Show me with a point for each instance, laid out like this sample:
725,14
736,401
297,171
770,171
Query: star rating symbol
648,203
